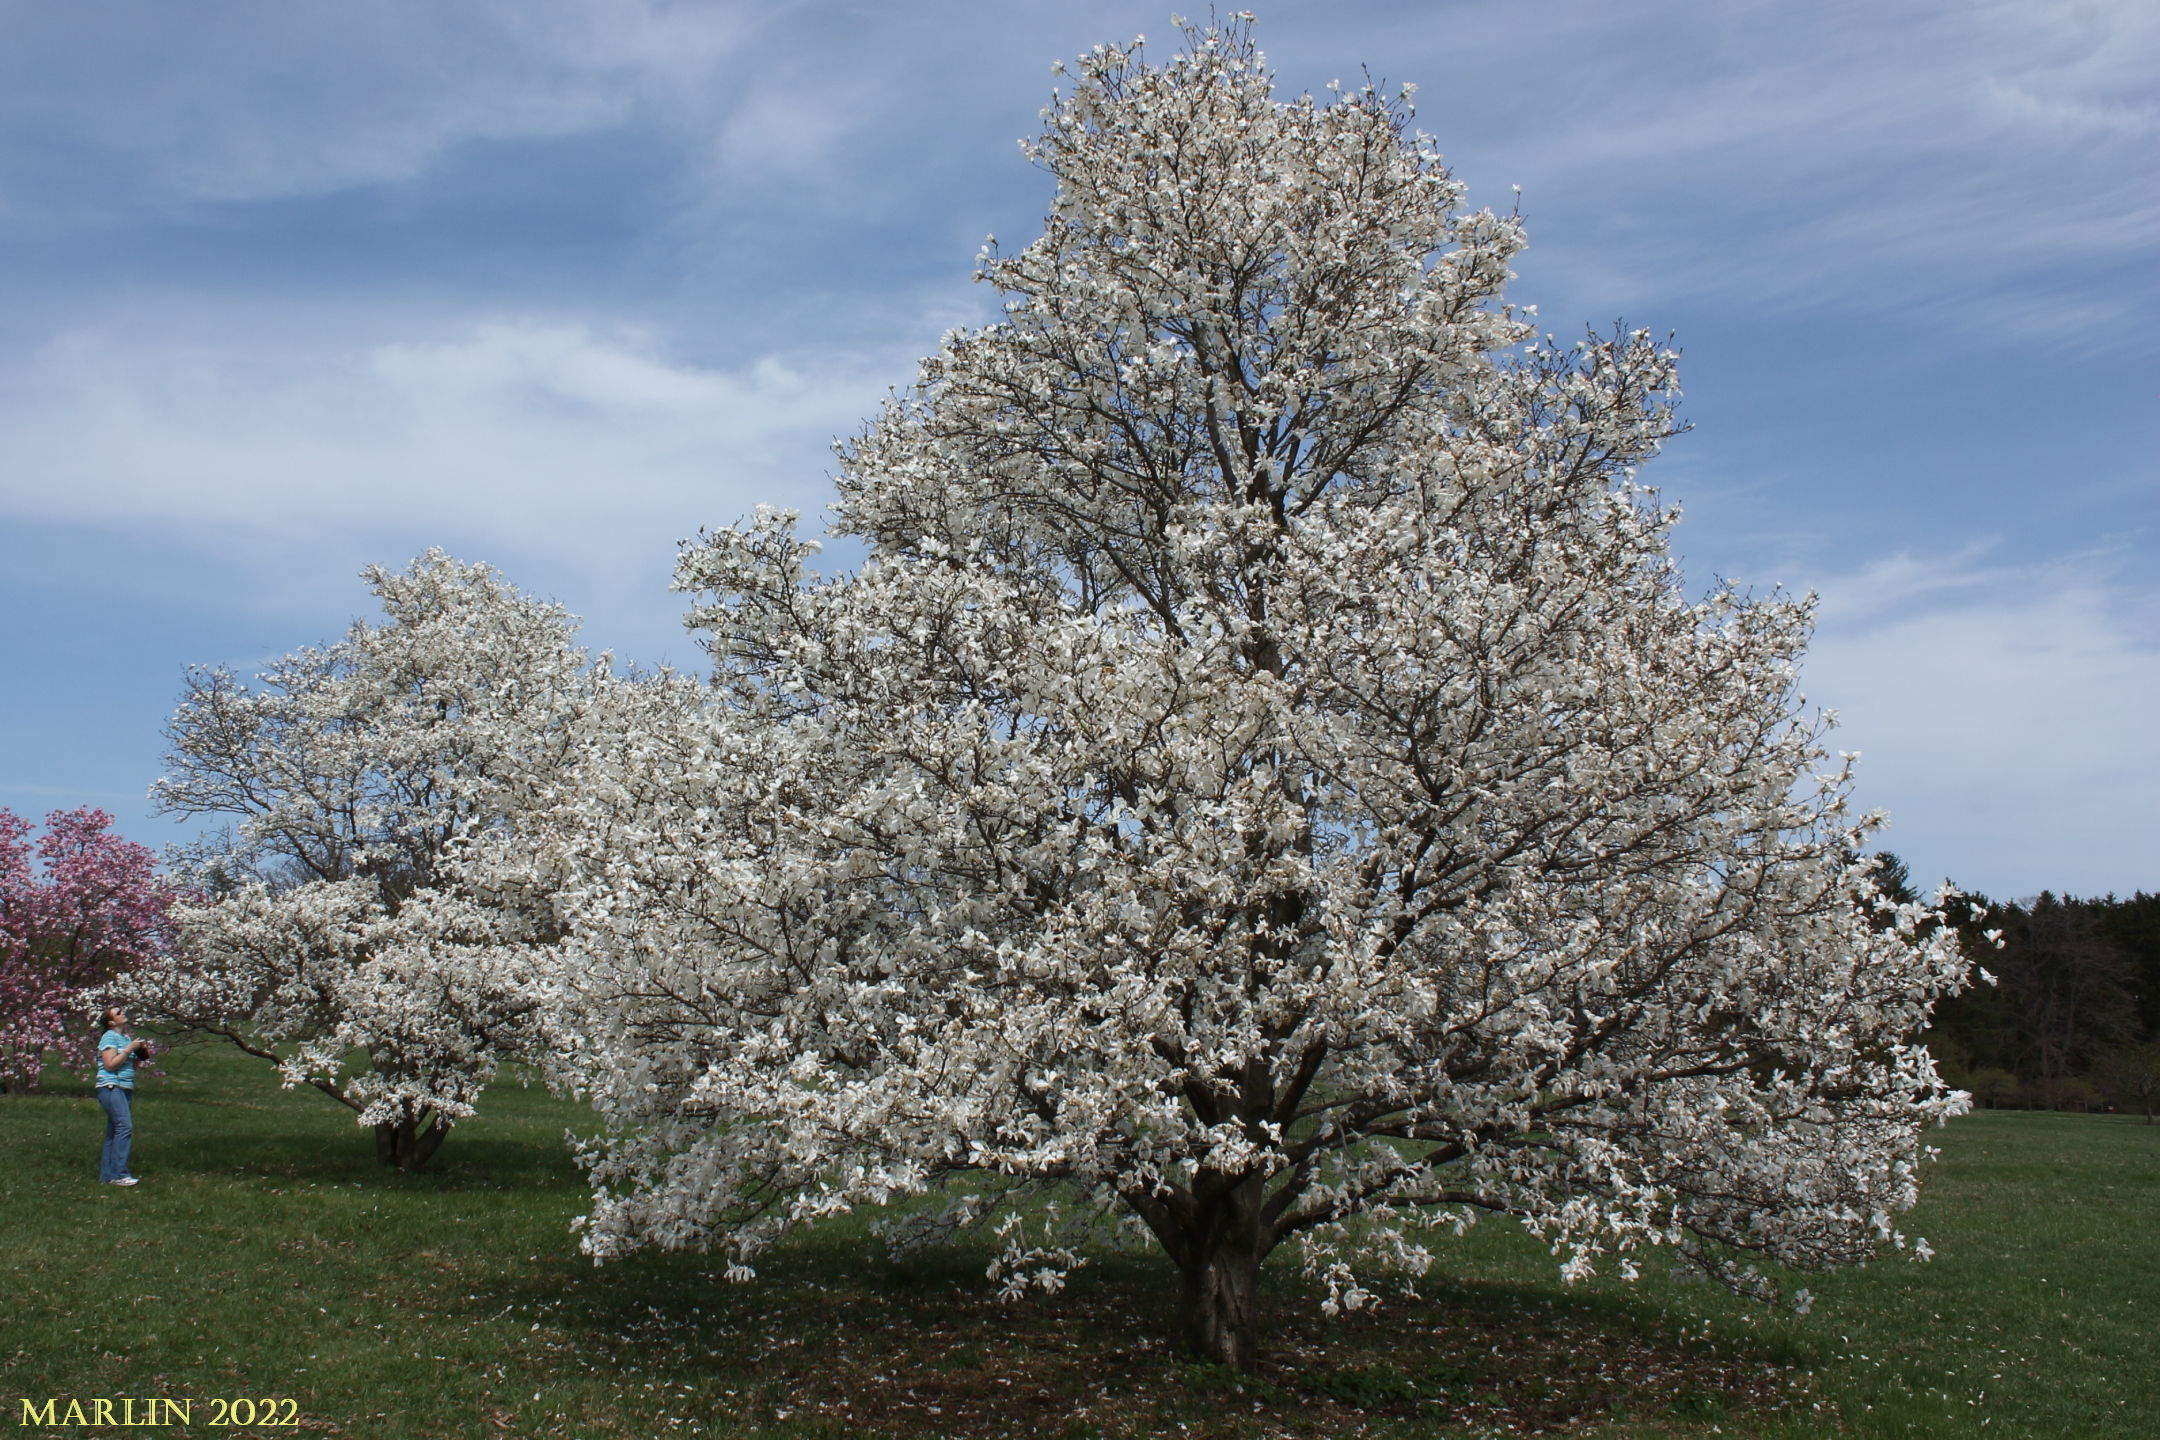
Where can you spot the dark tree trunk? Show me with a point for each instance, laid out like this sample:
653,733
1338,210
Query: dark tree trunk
1219,1267
406,1146
1216,1309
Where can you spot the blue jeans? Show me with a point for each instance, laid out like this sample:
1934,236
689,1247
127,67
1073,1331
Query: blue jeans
119,1103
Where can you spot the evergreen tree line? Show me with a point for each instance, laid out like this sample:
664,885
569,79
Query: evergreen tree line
2072,1020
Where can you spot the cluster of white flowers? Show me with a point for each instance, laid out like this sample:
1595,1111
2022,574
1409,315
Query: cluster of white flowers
337,933
1265,784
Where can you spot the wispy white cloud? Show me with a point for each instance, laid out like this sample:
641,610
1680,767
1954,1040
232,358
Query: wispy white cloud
2126,119
238,102
1883,156
1884,159
2005,715
552,438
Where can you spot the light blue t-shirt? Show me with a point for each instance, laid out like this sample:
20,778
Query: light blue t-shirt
124,1077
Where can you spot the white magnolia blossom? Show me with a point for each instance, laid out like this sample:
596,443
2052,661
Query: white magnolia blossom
1266,783
334,937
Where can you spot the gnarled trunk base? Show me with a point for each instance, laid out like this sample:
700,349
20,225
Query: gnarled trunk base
406,1146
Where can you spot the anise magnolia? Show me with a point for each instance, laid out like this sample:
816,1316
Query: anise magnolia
335,936
1266,783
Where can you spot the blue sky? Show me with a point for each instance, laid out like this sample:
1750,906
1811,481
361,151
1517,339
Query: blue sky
553,283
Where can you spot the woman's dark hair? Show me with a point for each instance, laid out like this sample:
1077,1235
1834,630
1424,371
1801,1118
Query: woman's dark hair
105,1019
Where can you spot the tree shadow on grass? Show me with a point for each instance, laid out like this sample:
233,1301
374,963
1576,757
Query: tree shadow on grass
342,1155
836,1338
207,1112
300,1138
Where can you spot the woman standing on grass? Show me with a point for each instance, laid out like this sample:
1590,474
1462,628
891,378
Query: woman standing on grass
117,1052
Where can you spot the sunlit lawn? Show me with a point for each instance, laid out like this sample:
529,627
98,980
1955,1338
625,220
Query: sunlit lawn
266,1255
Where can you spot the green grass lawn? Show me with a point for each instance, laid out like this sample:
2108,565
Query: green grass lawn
266,1255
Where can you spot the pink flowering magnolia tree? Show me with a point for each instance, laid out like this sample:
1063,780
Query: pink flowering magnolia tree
79,906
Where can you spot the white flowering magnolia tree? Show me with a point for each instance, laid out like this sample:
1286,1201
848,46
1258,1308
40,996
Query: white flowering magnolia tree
339,940
1266,784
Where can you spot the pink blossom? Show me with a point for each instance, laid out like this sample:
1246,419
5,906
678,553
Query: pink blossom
79,905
